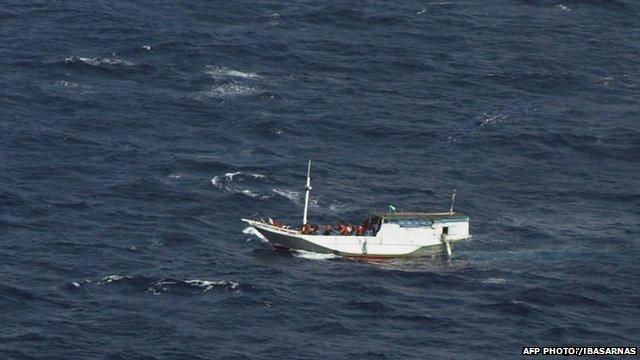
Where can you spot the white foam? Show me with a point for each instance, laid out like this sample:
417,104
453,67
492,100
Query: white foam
216,182
75,284
218,72
250,230
230,176
165,282
98,61
493,119
112,278
208,285
294,196
563,7
495,281
228,90
313,256
175,176
249,193
421,12
146,47
66,84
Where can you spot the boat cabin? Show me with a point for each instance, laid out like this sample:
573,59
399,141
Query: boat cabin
452,225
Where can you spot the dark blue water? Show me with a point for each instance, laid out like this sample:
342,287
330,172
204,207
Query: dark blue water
120,233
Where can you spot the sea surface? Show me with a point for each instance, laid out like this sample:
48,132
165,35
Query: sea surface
134,135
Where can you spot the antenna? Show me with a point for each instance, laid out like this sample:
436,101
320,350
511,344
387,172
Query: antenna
306,196
453,199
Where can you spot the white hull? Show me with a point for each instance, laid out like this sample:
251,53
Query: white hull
393,240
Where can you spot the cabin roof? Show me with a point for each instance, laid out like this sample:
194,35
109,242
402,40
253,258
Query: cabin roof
423,215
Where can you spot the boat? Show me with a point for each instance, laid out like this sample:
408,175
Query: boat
386,234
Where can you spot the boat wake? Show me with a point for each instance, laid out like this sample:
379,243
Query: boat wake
313,256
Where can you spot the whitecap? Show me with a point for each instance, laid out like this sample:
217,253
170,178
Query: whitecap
249,193
218,72
146,47
112,278
75,284
216,182
563,7
175,176
495,281
228,90
294,196
208,285
230,176
98,61
313,256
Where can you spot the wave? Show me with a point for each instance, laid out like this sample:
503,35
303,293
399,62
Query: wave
220,72
251,194
231,176
216,182
168,285
494,281
507,114
238,176
225,91
294,196
231,180
98,61
208,285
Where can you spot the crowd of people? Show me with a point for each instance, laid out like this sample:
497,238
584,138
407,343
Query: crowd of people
369,227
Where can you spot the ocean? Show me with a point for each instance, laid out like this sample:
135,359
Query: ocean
136,134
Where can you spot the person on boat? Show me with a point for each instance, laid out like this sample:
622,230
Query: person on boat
327,229
360,230
309,229
344,230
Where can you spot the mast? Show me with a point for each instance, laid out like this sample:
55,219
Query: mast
306,196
